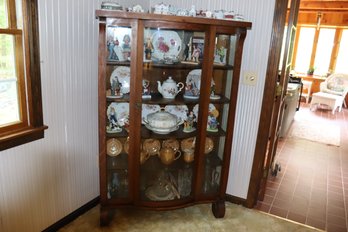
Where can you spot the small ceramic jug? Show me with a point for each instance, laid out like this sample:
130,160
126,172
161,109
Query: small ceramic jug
168,155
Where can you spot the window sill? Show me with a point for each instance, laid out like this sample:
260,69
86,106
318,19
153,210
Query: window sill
21,137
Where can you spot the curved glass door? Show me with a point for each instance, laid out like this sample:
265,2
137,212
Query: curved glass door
170,95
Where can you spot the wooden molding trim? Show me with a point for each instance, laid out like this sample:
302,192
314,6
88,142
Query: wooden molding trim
235,200
72,216
21,137
267,102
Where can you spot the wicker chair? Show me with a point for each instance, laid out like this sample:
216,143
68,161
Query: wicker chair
332,92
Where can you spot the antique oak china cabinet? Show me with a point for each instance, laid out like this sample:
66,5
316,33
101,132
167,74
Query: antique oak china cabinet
167,99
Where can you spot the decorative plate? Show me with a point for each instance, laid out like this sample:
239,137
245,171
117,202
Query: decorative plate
166,44
179,110
148,109
193,84
113,147
122,112
123,75
212,110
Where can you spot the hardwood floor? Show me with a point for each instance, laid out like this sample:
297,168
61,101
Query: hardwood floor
312,187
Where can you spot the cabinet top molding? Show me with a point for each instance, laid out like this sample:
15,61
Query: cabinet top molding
172,18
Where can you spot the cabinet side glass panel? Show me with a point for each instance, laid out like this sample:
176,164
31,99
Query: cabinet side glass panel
171,87
117,83
220,96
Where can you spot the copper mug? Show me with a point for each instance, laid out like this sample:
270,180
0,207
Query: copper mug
168,155
189,156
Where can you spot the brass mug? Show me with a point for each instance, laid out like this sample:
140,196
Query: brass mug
189,156
168,155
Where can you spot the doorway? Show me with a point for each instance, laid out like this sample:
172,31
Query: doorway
312,186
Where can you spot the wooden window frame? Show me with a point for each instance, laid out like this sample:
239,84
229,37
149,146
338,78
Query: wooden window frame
27,64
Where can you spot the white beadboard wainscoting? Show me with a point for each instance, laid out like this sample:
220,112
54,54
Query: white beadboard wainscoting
43,181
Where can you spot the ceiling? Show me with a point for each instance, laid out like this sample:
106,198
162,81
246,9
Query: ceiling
324,5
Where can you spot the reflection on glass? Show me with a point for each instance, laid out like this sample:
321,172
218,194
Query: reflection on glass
212,173
117,184
324,49
304,49
9,106
342,58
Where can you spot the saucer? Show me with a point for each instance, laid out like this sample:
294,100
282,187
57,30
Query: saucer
113,147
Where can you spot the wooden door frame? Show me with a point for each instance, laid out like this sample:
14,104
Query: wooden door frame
267,102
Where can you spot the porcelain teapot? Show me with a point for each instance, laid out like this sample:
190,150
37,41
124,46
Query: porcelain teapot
169,88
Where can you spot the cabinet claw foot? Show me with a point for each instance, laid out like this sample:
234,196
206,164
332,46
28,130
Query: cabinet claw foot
105,217
218,208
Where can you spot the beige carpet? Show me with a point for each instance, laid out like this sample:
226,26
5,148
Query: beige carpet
190,219
316,132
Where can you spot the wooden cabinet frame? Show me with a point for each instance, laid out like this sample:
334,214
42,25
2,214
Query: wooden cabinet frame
138,22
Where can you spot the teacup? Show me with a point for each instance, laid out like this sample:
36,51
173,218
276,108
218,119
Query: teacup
168,155
171,143
152,146
189,156
144,156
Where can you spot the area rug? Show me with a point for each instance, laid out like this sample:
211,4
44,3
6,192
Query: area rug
191,219
316,132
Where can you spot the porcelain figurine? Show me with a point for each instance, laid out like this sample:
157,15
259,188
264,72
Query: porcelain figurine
192,12
148,48
161,8
146,89
113,126
138,8
188,124
213,123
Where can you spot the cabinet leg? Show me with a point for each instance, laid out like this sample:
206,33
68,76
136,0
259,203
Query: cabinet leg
105,217
218,208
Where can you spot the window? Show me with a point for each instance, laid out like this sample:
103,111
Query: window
304,49
342,58
324,50
20,86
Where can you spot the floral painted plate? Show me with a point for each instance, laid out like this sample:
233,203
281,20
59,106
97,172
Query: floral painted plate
179,110
212,110
193,84
148,109
166,44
